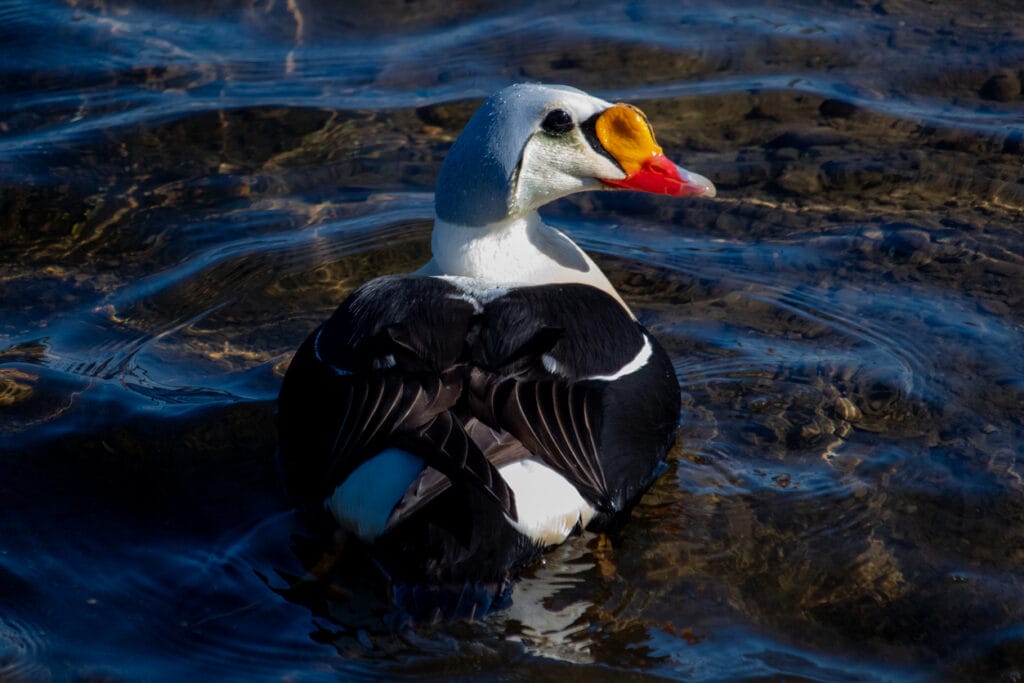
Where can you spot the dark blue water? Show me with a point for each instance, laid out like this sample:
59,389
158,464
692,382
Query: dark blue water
187,189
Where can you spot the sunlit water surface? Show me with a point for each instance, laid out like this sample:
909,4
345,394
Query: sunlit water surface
189,188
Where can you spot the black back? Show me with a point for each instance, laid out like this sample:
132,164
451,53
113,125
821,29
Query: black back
421,364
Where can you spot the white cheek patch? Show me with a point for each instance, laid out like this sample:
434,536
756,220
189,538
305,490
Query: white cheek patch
548,506
363,502
557,167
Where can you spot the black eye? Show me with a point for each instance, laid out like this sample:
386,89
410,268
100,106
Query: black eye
557,122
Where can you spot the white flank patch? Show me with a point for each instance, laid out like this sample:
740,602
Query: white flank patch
363,503
549,507
551,365
639,360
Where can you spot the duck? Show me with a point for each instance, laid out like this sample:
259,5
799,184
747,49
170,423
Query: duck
460,420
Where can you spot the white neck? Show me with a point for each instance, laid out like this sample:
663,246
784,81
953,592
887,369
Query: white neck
520,250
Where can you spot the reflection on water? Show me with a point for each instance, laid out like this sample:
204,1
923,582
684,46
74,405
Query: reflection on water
188,189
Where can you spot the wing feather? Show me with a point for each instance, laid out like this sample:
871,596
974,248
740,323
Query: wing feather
538,413
373,416
498,447
377,406
351,389
445,446
561,403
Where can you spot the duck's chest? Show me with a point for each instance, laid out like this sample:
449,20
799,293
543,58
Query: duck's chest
515,251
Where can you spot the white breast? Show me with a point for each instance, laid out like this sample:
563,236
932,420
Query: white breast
520,250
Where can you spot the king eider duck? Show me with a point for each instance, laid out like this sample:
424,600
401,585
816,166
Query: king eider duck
461,419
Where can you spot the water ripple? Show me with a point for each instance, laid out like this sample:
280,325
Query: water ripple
22,646
189,190
193,65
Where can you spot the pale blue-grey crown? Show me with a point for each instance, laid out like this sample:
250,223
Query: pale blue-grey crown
475,183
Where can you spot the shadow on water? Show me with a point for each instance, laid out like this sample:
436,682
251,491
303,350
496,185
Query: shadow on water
188,189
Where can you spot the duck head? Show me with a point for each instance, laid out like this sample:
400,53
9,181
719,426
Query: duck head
531,144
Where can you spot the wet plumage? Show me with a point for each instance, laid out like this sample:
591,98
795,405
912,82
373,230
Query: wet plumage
461,419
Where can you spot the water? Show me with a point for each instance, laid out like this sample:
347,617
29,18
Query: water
189,188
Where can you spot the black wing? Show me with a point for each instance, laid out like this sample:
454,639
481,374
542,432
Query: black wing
497,447
557,421
330,420
389,408
374,407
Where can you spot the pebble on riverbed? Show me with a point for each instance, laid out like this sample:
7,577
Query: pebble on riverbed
847,410
1002,87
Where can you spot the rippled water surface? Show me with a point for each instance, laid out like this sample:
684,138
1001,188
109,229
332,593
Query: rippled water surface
188,188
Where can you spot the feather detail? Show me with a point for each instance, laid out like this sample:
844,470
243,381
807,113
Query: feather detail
546,416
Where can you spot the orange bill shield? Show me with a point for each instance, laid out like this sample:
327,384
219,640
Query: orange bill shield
626,135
